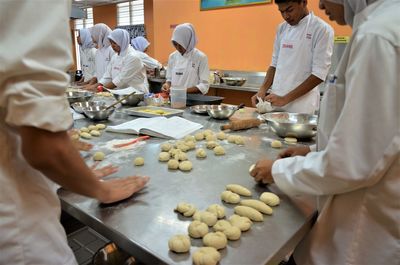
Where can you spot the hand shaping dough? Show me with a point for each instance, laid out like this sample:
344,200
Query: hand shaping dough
173,164
164,157
185,165
84,129
238,189
219,150
94,133
221,136
258,205
85,135
239,140
230,197
290,140
179,243
98,156
197,229
139,161
206,217
276,144
216,209
165,147
186,209
92,127
249,212
270,198
231,138
100,126
211,144
251,168
199,136
216,240
241,222
206,256
201,153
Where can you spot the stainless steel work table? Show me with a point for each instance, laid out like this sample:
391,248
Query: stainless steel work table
143,224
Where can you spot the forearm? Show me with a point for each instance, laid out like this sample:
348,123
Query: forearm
109,85
269,79
193,90
93,81
309,84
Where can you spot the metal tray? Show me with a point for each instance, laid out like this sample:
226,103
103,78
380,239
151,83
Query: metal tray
151,111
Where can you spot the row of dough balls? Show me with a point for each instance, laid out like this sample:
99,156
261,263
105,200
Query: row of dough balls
209,135
88,132
288,140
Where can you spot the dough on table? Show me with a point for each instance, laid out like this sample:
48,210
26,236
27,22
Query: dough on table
199,136
208,132
270,198
221,136
173,151
95,133
276,144
230,197
258,205
221,225
191,145
164,156
100,126
251,168
179,142
211,137
139,161
185,165
197,229
92,127
290,140
84,129
186,209
216,240
165,147
201,153
173,164
211,144
179,243
85,135
75,137
239,189
180,156
231,139
219,150
249,212
206,256
241,222
183,147
217,209
232,232
190,138
206,217
239,140
99,156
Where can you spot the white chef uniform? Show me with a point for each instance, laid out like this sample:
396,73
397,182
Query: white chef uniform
300,51
140,44
87,53
32,93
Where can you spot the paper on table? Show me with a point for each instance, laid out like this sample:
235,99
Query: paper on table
124,91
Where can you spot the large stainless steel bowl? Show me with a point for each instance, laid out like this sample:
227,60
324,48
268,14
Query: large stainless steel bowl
79,106
132,100
98,112
234,81
221,111
78,96
286,124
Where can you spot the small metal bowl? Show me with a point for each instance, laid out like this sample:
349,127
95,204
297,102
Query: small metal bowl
199,109
234,81
79,106
221,111
97,112
132,100
78,96
285,124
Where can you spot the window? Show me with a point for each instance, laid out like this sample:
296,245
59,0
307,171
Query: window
130,13
85,22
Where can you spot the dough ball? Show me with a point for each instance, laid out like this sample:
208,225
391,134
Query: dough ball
179,142
186,209
190,138
100,126
232,232
199,136
181,156
75,137
211,137
221,136
239,140
270,198
183,147
99,156
216,240
201,153
197,229
249,212
238,189
206,256
191,145
216,209
290,140
92,127
185,165
173,151
219,150
206,217
164,156
165,147
139,161
251,168
276,144
208,132
179,243
221,225
211,144
230,197
258,205
84,129
241,222
94,133
231,138
173,164
85,135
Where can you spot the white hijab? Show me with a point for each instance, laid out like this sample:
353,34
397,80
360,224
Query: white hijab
121,38
100,33
86,39
352,7
185,35
140,43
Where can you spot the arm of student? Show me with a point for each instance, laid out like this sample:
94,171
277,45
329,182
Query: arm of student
268,80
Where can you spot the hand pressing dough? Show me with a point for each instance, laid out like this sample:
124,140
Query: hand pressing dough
258,205
191,145
270,198
92,127
179,243
190,138
206,217
199,136
185,165
221,136
251,168
85,135
139,161
94,133
100,126
197,229
216,209
99,156
238,189
164,156
290,140
219,150
84,129
165,147
216,240
206,256
239,140
249,212
173,164
211,144
241,222
276,144
211,137
230,197
201,153
186,209
231,139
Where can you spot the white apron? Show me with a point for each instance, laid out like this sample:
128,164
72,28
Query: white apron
184,68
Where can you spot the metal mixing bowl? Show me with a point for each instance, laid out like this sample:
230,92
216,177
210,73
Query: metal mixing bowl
221,111
79,106
199,109
78,96
234,81
132,100
98,112
297,125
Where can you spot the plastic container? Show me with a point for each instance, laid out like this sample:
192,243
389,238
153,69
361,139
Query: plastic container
178,97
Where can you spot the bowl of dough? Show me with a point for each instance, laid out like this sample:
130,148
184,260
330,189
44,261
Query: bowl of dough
98,112
132,100
285,124
79,106
78,96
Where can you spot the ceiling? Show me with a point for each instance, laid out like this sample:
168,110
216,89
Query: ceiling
91,3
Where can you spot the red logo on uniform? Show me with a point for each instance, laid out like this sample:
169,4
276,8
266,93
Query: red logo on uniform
288,46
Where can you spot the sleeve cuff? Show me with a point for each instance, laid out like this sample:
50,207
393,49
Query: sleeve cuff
280,178
320,73
117,82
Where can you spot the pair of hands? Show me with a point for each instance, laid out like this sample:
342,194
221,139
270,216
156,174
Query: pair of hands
166,87
275,100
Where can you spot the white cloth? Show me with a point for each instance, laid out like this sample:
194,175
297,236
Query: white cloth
189,70
99,34
148,61
125,71
352,7
102,59
140,43
88,62
185,35
300,51
356,172
121,38
32,93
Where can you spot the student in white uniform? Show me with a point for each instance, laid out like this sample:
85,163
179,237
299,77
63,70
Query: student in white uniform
140,44
36,149
125,69
87,53
300,61
187,66
356,168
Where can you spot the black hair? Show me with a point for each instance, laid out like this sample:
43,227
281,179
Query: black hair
287,1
